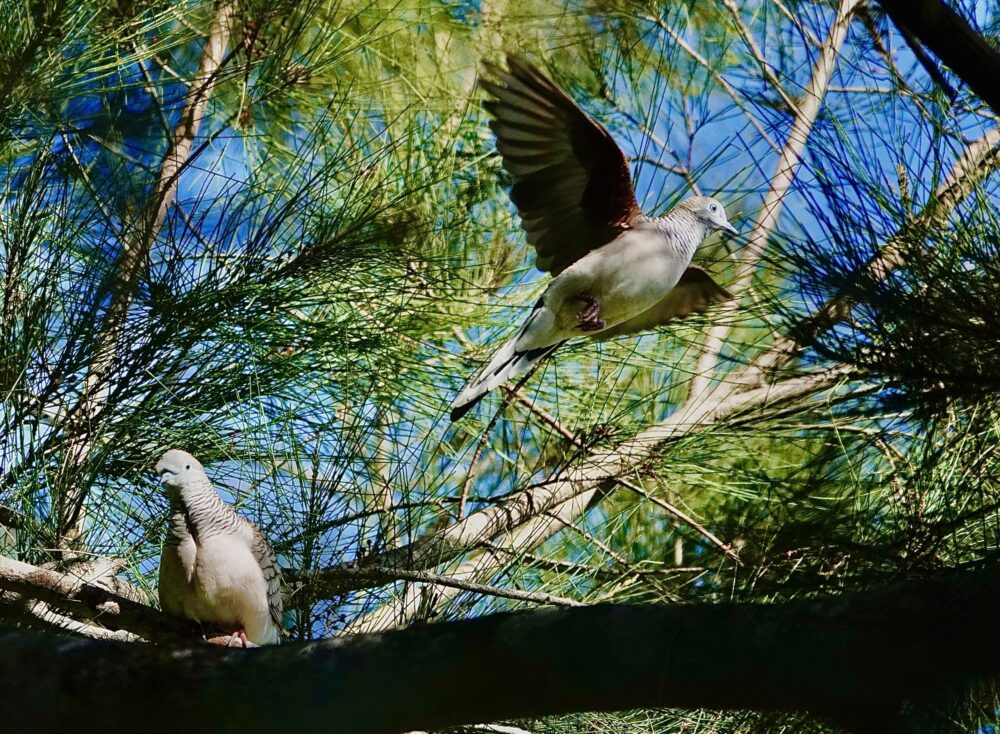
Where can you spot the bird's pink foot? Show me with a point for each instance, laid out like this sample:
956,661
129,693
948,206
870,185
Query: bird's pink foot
590,315
238,639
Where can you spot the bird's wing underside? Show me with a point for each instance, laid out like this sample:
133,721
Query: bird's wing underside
694,293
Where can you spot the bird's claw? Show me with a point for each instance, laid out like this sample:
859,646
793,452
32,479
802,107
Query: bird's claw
236,639
589,317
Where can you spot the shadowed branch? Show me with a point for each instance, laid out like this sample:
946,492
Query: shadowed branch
856,657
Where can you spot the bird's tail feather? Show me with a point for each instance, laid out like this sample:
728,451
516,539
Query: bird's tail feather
506,364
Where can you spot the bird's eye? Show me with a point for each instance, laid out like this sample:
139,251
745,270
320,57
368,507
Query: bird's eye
713,207
187,466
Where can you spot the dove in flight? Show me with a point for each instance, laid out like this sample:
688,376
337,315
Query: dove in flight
216,567
615,270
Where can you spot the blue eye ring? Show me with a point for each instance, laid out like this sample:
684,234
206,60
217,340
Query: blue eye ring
713,207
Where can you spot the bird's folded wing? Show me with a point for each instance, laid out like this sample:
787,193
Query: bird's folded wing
694,293
572,186
272,574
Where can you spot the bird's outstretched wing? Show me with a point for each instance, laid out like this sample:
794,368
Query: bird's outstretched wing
572,186
694,293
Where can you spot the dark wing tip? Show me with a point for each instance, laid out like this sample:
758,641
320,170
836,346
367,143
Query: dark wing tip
518,64
711,291
518,67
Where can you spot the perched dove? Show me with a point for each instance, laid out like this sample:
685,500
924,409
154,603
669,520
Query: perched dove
216,567
616,271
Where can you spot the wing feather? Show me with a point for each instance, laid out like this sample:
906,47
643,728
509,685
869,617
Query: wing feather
572,185
268,563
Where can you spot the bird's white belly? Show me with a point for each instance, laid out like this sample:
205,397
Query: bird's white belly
636,286
219,583
626,277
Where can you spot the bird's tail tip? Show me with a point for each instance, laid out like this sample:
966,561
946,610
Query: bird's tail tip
458,411
469,398
506,365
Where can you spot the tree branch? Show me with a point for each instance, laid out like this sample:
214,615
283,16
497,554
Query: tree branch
676,512
781,182
378,576
528,518
952,40
856,656
72,595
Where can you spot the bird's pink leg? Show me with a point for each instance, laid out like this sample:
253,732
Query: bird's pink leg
590,315
238,639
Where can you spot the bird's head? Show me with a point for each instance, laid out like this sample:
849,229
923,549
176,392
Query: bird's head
176,466
709,212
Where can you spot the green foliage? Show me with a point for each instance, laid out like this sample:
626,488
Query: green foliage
342,255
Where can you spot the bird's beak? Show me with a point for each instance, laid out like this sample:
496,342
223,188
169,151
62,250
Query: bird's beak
730,228
165,474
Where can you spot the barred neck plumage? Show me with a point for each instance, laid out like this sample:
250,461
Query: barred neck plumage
682,229
196,510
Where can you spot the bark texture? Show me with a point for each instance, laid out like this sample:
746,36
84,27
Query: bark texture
855,657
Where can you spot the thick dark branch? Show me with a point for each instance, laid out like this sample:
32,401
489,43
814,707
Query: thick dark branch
932,69
952,40
855,656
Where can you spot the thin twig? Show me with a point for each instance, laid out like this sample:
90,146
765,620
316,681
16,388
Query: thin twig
557,566
758,56
382,574
794,19
353,516
676,512
464,494
733,93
